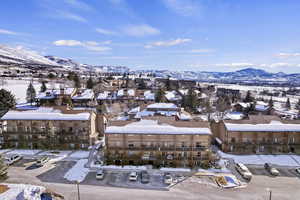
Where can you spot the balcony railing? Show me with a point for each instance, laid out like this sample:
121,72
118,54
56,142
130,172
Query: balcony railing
157,148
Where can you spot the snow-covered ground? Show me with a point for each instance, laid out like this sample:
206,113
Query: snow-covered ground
22,192
19,87
28,152
55,153
78,172
175,169
80,154
281,160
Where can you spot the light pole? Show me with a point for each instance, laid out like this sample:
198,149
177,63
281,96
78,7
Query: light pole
270,193
77,184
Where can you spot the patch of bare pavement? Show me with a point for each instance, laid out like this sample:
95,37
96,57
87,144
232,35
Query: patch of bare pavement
283,188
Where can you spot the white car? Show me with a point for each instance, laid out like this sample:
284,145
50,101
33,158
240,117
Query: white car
9,160
133,176
244,171
43,160
100,174
168,179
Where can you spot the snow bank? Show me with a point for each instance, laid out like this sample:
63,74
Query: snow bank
175,169
80,154
22,192
30,152
281,160
78,172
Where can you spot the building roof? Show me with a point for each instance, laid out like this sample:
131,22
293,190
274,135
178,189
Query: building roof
162,105
151,127
44,114
86,94
271,127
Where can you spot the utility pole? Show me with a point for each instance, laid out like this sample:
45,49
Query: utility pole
270,193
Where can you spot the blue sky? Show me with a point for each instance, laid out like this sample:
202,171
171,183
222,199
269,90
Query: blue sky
198,35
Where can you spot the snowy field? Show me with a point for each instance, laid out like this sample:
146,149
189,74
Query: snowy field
281,160
22,192
19,87
78,172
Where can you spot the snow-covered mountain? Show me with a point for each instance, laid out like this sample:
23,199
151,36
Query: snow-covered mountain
19,55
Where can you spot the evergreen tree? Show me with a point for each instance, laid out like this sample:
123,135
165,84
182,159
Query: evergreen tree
288,103
43,86
7,100
190,101
168,83
76,80
159,96
271,103
298,105
248,97
90,83
30,93
142,85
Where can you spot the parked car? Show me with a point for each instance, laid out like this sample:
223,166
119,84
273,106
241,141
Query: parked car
98,162
133,176
12,159
244,171
145,177
272,170
298,170
100,174
40,162
168,178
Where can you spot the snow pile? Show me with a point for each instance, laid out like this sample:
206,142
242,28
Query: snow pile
78,172
175,169
22,192
80,154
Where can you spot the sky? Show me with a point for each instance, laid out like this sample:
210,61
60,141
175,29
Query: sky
197,35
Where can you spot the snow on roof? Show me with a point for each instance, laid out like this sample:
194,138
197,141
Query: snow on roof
103,95
41,114
134,110
86,94
272,127
69,91
120,93
131,92
149,95
234,116
162,105
261,108
172,95
244,105
152,127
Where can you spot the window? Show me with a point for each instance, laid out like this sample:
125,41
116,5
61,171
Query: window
198,144
130,145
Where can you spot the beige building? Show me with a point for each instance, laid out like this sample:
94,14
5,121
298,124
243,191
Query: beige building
258,134
157,143
49,128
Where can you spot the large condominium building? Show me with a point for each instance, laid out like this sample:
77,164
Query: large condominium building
258,134
49,128
153,142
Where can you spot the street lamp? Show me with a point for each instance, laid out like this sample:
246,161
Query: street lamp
270,193
78,194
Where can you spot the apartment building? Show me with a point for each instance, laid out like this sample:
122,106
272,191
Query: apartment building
49,128
157,143
258,134
55,96
84,98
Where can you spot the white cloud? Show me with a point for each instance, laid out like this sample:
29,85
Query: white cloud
184,7
105,31
275,65
140,30
168,43
79,4
90,45
287,55
68,15
7,32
